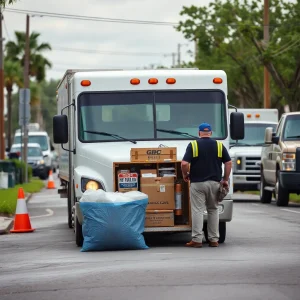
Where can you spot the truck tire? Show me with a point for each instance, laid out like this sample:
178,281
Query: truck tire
265,196
281,194
222,232
78,233
70,224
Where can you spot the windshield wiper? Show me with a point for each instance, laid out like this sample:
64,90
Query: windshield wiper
293,137
240,144
177,132
110,134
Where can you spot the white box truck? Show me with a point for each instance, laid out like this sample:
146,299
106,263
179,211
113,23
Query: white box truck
246,154
104,114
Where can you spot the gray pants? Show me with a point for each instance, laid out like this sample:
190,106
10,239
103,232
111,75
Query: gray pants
204,195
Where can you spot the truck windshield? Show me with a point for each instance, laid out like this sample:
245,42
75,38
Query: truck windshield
147,115
39,139
254,134
31,151
291,129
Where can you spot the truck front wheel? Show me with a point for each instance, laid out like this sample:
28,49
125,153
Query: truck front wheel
281,194
222,232
70,223
265,196
78,233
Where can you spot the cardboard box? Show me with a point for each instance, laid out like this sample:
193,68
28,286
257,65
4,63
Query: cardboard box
153,154
160,191
127,181
145,172
159,218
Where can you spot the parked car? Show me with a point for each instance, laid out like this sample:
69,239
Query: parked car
280,160
35,159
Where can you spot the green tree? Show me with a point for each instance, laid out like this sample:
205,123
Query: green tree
3,3
229,36
37,62
12,76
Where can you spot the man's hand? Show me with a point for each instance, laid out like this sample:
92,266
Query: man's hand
224,182
186,177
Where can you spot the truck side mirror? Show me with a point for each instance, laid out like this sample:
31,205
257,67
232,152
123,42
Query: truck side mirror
60,129
275,139
237,126
268,135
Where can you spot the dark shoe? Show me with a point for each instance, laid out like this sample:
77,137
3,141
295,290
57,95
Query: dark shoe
193,244
213,244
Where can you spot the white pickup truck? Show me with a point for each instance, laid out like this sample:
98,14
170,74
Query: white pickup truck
246,154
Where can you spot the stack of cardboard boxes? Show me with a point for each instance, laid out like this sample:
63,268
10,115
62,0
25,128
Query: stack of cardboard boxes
158,184
161,201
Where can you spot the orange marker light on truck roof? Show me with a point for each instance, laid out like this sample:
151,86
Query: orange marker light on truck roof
217,80
85,83
171,80
257,115
135,81
248,115
153,81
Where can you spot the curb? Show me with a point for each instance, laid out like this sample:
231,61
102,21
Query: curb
8,222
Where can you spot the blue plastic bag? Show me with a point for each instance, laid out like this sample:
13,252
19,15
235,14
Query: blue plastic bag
113,226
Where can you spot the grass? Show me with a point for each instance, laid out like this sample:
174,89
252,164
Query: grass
293,197
8,197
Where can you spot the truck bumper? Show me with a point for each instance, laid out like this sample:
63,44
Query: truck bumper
290,181
246,182
225,211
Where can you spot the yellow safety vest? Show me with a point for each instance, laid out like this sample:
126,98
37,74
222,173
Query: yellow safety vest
195,148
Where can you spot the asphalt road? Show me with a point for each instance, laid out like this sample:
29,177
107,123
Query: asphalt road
259,260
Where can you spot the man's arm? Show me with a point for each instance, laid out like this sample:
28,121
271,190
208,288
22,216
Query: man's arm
185,163
227,170
227,165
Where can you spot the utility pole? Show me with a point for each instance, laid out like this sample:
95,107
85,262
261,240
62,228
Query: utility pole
196,50
26,86
178,54
2,139
173,59
267,102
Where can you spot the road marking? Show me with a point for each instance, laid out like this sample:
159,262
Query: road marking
50,213
254,204
162,253
294,211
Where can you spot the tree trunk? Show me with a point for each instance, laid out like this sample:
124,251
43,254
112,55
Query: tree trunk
9,117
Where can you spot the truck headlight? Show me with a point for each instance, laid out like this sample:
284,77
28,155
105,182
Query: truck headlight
288,161
40,162
238,163
90,184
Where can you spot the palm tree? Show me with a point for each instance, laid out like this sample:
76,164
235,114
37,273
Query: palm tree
12,75
37,62
35,102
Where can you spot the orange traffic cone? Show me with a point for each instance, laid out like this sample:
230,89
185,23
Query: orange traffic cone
22,220
51,184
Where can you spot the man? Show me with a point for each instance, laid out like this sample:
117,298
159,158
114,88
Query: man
205,157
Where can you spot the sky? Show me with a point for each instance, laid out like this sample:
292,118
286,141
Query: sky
144,45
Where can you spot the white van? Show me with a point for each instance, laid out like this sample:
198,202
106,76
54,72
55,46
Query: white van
42,138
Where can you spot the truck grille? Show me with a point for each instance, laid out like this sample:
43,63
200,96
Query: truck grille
250,164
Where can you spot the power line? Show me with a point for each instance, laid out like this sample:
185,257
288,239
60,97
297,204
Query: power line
89,18
109,52
130,21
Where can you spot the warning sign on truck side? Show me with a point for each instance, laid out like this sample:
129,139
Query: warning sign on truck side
127,182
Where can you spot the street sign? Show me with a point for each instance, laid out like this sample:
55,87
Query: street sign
24,107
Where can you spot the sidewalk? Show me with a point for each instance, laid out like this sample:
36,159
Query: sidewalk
6,223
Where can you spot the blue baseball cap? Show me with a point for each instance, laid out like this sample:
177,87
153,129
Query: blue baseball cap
204,127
